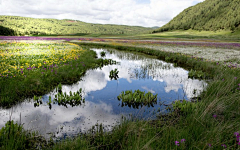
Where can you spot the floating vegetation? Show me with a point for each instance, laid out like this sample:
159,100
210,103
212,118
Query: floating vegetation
107,62
73,99
37,101
137,98
103,54
114,74
59,88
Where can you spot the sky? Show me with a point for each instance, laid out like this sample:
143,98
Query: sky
147,13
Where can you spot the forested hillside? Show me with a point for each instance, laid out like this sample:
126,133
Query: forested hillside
210,15
30,26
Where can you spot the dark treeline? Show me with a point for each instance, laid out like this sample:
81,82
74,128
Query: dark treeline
210,15
32,26
6,31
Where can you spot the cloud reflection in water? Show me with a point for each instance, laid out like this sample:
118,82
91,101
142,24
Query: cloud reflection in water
102,106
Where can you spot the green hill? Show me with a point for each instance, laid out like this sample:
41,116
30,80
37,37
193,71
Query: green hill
14,25
210,15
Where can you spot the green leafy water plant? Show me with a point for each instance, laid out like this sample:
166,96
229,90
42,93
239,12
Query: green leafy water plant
103,54
59,88
114,74
37,101
73,99
137,98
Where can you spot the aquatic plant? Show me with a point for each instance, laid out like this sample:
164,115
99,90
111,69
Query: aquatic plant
137,98
59,88
114,74
103,54
73,99
37,101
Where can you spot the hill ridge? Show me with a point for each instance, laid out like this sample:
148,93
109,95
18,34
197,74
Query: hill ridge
41,26
210,15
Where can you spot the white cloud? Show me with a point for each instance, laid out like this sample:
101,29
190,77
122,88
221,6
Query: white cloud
129,12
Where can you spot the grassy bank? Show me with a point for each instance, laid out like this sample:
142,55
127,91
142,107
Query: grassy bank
211,123
29,69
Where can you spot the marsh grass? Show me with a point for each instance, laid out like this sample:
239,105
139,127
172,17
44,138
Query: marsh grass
212,123
13,136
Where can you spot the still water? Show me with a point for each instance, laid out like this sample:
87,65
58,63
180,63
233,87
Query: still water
101,105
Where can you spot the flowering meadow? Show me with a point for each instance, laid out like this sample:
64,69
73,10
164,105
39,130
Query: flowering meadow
20,59
28,68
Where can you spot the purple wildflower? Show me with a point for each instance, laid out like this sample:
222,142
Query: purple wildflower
210,145
183,140
237,136
236,133
177,143
214,116
223,145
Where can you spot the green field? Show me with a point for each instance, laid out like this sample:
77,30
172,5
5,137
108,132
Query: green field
221,35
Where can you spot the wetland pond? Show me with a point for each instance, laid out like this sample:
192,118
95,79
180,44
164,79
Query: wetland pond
136,71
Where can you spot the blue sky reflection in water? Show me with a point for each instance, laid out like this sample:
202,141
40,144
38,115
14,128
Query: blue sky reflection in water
101,106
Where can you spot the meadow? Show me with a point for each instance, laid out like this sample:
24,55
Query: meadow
32,68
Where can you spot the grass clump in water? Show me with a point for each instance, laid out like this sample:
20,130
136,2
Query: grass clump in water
137,98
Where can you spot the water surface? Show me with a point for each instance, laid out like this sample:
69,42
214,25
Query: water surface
101,105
